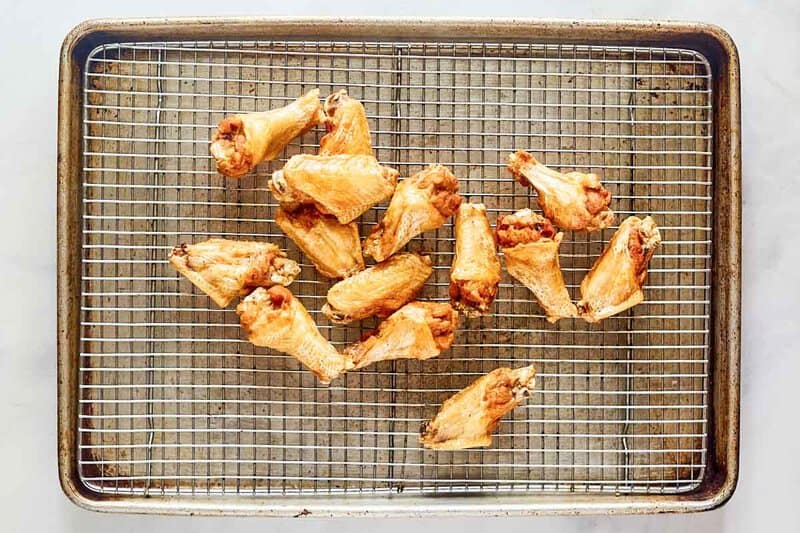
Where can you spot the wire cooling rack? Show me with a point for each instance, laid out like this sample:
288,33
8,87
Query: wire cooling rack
173,399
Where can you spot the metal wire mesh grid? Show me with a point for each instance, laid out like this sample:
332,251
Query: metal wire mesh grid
175,400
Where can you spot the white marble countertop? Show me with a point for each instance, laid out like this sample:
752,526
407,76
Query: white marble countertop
769,40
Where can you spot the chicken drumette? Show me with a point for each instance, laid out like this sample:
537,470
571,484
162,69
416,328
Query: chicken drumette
273,318
573,201
475,273
243,141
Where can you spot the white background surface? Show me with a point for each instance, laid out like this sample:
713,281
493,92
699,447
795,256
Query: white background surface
768,37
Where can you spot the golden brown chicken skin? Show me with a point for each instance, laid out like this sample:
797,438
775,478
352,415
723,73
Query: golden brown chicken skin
275,319
573,201
347,126
333,247
340,185
418,330
615,282
421,203
468,419
475,273
225,269
243,141
379,290
530,247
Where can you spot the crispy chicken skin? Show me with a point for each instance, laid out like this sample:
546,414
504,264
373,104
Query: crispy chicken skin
243,141
422,202
530,247
333,247
225,269
614,283
275,319
572,201
340,185
475,273
468,419
379,290
418,330
347,126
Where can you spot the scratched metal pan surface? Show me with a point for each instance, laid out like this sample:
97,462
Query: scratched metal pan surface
163,405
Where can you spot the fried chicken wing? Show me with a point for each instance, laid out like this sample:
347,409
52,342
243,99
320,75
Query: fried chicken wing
475,273
468,419
333,247
530,247
614,283
572,201
225,269
418,330
340,185
275,319
347,126
379,290
243,141
422,202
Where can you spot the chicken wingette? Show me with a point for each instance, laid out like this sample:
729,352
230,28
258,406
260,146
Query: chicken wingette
468,419
379,290
347,126
243,141
225,269
418,330
475,273
573,201
615,282
275,319
333,247
530,246
421,203
340,185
